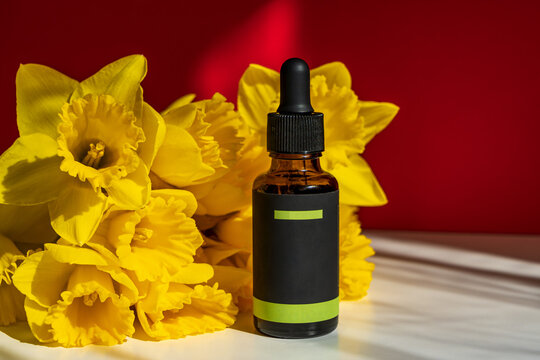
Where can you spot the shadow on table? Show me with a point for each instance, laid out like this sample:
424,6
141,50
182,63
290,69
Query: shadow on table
355,346
500,284
244,322
19,331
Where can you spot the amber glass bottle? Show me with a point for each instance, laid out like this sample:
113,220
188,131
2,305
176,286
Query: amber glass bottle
295,221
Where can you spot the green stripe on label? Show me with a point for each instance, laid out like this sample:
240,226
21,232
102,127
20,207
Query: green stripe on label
298,214
296,313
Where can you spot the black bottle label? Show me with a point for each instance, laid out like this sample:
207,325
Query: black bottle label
296,257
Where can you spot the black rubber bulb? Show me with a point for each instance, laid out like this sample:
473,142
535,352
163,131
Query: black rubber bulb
294,77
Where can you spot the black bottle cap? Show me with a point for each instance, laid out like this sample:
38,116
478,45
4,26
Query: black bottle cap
295,128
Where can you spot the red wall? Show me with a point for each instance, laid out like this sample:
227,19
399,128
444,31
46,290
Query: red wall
463,153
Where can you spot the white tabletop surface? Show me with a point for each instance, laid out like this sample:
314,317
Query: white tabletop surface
426,301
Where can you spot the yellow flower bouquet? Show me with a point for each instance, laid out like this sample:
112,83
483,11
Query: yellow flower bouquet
117,221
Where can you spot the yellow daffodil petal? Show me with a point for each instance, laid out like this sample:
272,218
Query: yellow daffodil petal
75,255
183,311
36,315
183,116
257,93
340,107
205,222
211,309
232,192
11,300
153,242
216,251
376,116
90,312
222,199
152,291
347,214
9,255
184,100
237,230
194,273
215,127
159,298
126,285
336,73
41,278
120,79
138,106
183,199
133,191
41,92
219,129
30,171
98,140
201,191
355,273
237,281
11,304
357,183
77,212
153,126
27,224
179,160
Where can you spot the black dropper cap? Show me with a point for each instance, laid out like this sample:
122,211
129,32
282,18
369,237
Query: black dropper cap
295,128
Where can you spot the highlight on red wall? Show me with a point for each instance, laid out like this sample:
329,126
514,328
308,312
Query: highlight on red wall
462,154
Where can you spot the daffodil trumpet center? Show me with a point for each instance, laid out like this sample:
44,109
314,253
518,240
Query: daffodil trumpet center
98,140
94,155
142,234
90,299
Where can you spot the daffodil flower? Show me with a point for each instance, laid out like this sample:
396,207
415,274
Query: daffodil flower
201,143
174,310
156,242
82,145
237,281
229,251
76,297
349,124
232,191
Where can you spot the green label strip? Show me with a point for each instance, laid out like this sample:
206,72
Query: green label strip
298,214
295,313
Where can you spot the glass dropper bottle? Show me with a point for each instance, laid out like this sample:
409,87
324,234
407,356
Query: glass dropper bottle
295,220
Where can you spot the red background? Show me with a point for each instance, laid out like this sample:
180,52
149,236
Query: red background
463,153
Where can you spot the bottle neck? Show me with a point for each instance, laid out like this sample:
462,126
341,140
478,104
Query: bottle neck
295,162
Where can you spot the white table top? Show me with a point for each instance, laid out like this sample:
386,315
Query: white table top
426,302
